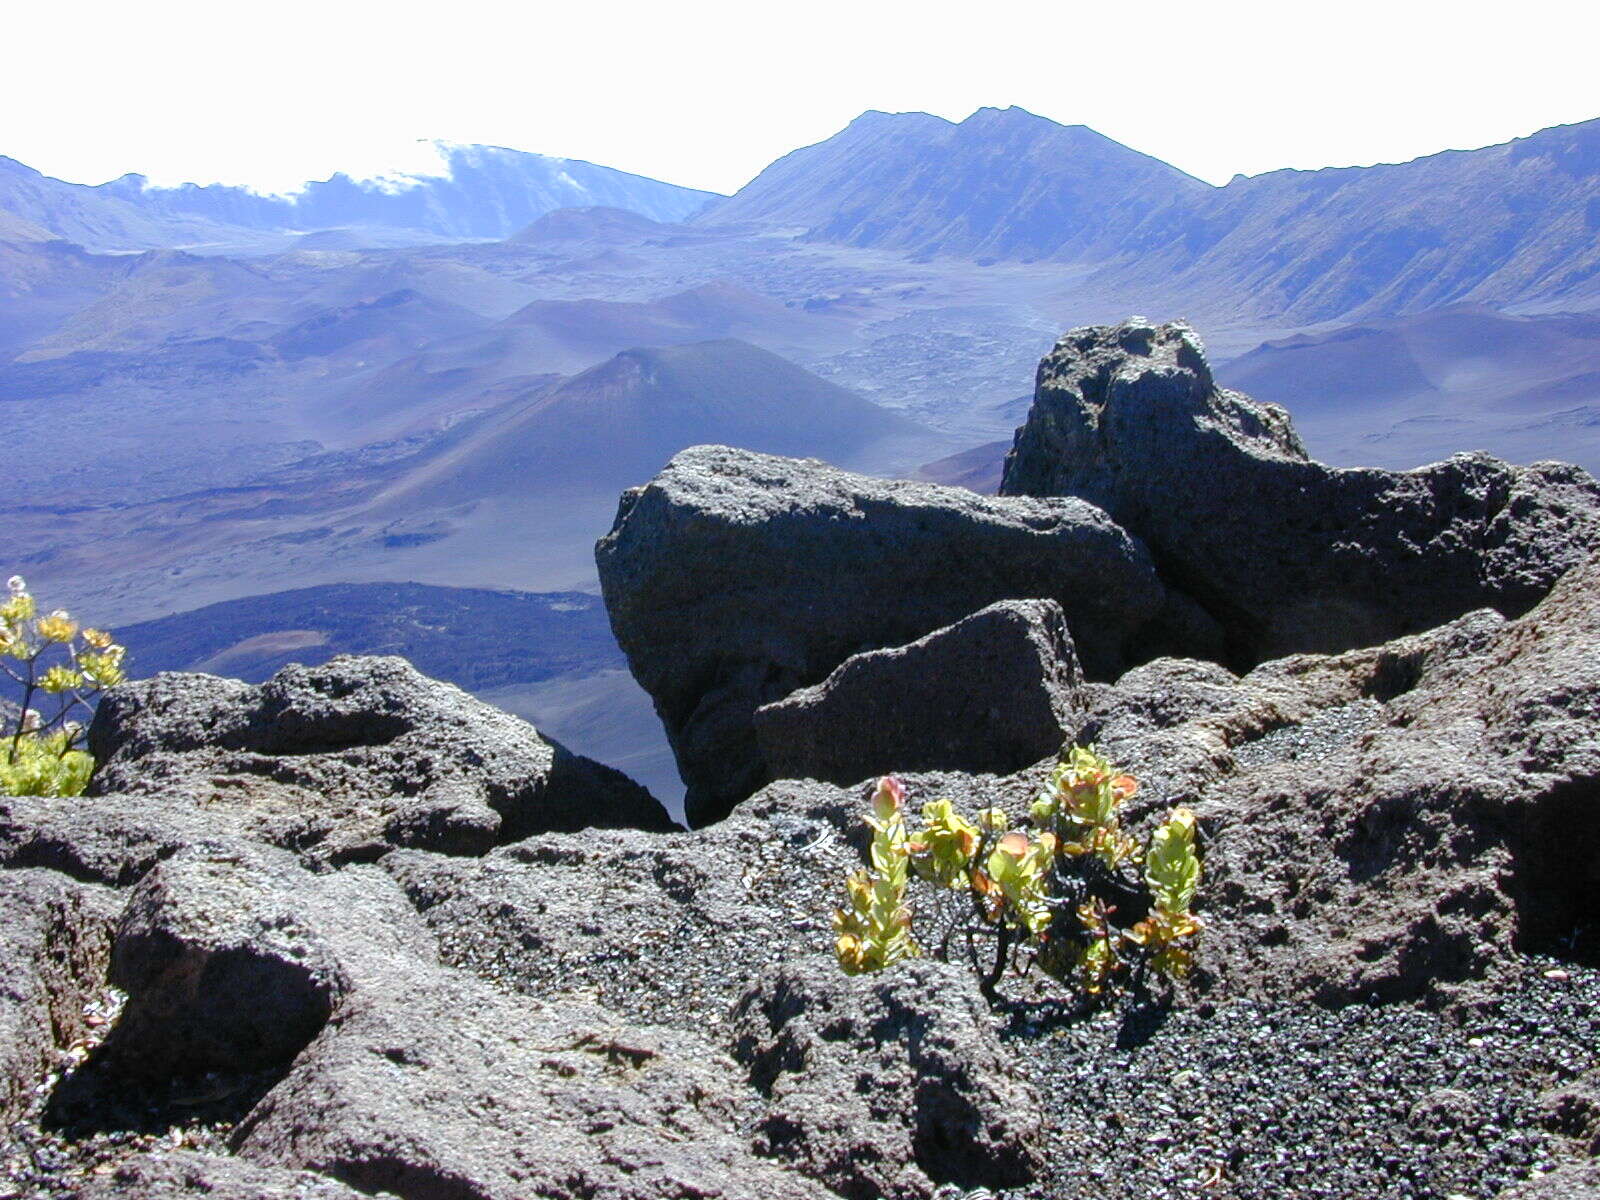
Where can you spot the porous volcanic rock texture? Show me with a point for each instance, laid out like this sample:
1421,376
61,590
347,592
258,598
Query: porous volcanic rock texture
54,936
993,693
733,578
181,1174
352,758
886,1087
1398,990
1286,554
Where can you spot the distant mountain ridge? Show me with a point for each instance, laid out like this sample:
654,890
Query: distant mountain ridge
1511,223
1516,223
486,192
1004,183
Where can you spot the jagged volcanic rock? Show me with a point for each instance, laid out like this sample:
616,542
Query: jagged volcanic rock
54,934
994,692
175,1176
562,1016
1463,823
226,962
1286,554
733,578
885,1087
352,758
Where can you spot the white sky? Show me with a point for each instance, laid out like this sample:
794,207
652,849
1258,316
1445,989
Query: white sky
706,93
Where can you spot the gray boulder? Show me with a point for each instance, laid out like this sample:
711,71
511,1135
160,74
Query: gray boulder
1411,855
733,578
995,692
347,760
399,1073
234,959
54,935
435,1084
180,1175
1286,554
884,1087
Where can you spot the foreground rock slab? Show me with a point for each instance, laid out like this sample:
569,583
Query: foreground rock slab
886,1087
993,693
1286,554
54,937
180,1175
352,758
733,578
234,958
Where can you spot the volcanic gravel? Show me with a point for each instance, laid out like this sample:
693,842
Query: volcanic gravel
1253,1100
74,1129
1233,1098
1327,732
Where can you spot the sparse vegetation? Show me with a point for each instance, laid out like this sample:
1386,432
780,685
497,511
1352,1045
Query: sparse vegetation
1050,896
58,667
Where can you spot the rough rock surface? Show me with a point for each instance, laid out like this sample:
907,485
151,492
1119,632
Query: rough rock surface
886,1086
733,578
1573,1108
992,693
53,941
181,1175
113,839
400,1074
438,1085
1462,823
1399,991
1574,1181
352,758
232,960
1286,554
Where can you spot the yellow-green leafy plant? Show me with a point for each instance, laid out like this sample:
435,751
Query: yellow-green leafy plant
1073,895
58,668
874,932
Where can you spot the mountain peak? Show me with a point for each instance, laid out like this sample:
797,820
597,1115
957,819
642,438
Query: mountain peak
1004,183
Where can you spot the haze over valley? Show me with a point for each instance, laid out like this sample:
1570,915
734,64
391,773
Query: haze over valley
447,380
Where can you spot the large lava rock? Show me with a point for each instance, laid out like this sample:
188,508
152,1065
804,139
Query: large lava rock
1462,823
232,958
181,1175
734,578
396,1073
1286,554
53,943
994,692
884,1087
347,760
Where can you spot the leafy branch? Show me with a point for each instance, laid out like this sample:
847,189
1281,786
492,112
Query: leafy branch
58,668
1052,893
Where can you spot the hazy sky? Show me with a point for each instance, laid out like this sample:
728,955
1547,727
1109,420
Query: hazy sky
707,93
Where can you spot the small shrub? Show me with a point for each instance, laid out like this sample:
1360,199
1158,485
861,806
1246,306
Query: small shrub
58,668
1048,896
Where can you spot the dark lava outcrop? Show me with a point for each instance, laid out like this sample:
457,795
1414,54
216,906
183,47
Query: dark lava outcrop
995,692
733,578
352,758
1286,554
884,1088
624,1014
54,934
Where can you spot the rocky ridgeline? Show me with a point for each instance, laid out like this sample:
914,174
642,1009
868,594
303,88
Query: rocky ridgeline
368,936
1284,554
1164,515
